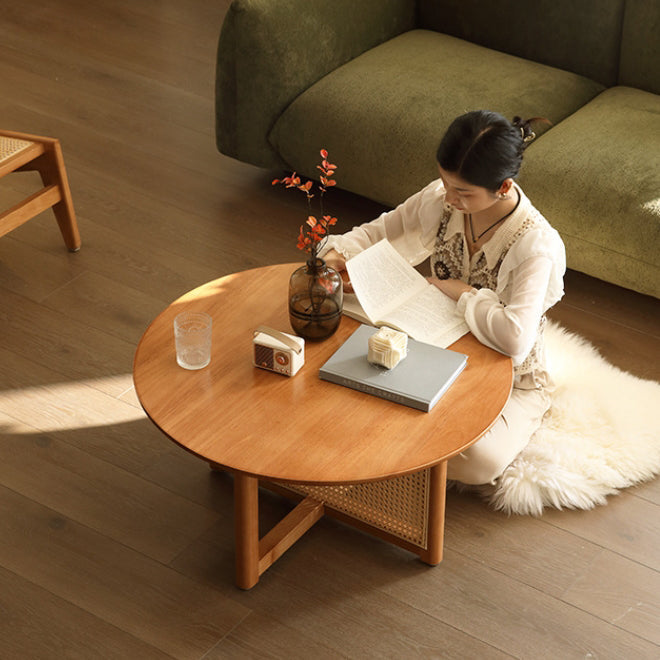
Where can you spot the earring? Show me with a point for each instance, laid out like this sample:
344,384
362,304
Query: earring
503,196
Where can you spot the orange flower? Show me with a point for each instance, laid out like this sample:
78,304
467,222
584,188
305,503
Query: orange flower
314,230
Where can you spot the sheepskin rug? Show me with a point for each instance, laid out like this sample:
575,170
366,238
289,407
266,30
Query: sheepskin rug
601,434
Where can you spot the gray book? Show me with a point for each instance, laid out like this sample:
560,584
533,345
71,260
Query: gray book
418,381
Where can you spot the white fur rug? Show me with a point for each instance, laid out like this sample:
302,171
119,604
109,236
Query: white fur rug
601,434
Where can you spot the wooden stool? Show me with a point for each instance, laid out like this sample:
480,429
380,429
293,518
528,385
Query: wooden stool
20,153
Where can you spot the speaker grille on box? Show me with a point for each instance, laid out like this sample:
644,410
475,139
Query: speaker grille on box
263,356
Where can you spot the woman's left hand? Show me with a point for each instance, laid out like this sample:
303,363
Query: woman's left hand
452,288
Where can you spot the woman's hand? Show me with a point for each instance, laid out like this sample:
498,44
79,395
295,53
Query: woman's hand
452,288
337,261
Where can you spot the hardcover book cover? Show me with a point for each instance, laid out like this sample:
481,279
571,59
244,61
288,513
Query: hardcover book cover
418,381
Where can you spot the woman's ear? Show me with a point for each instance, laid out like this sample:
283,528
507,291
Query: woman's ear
505,188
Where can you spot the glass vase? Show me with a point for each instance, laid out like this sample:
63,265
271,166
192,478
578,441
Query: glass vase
316,296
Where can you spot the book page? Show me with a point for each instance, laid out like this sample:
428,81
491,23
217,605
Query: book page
382,279
391,292
353,309
429,317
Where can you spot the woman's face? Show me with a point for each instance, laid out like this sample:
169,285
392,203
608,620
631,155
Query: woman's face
466,197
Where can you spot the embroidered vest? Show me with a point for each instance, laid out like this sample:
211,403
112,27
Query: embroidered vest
447,263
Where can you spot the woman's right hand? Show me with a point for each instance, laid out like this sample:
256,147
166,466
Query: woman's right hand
337,261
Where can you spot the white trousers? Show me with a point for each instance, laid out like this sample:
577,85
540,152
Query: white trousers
487,458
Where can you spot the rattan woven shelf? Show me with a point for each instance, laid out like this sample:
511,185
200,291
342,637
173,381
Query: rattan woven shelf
398,506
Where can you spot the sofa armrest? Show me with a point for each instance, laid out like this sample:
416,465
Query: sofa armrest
270,51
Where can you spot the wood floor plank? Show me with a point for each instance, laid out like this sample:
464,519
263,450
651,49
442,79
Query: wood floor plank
613,303
189,476
621,592
78,413
197,14
33,274
101,80
483,601
163,277
116,584
171,55
549,560
52,339
88,150
394,598
190,147
356,622
649,490
44,398
105,498
628,525
104,304
500,611
40,626
115,233
259,636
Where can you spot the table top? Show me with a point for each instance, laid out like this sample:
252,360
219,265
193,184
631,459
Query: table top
300,429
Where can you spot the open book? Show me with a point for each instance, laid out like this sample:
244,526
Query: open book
389,291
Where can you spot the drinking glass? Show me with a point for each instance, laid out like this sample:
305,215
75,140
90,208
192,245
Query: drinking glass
192,338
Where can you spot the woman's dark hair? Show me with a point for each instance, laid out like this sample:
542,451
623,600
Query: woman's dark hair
484,148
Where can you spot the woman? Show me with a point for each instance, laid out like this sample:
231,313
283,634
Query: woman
493,253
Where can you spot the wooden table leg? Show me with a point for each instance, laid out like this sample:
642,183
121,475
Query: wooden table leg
254,555
246,530
436,519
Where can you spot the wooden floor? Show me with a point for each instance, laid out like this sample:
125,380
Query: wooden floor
116,544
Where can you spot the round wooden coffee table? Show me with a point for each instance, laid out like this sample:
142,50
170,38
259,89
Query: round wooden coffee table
312,437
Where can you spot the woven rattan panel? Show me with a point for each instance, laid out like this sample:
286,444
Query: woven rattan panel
10,146
398,506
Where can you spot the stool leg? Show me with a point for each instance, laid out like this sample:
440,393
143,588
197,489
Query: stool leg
51,168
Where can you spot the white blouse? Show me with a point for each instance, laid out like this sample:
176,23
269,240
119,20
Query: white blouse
507,317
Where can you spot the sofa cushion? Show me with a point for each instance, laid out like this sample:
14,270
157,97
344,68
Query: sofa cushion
596,178
640,46
583,36
270,51
393,103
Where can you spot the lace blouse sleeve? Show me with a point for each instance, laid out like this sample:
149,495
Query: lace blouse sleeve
410,227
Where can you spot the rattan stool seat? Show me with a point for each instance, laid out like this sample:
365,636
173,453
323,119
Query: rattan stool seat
10,146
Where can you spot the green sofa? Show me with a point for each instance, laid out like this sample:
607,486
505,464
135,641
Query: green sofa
377,82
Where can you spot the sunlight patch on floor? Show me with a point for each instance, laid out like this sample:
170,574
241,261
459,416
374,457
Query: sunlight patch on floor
72,405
